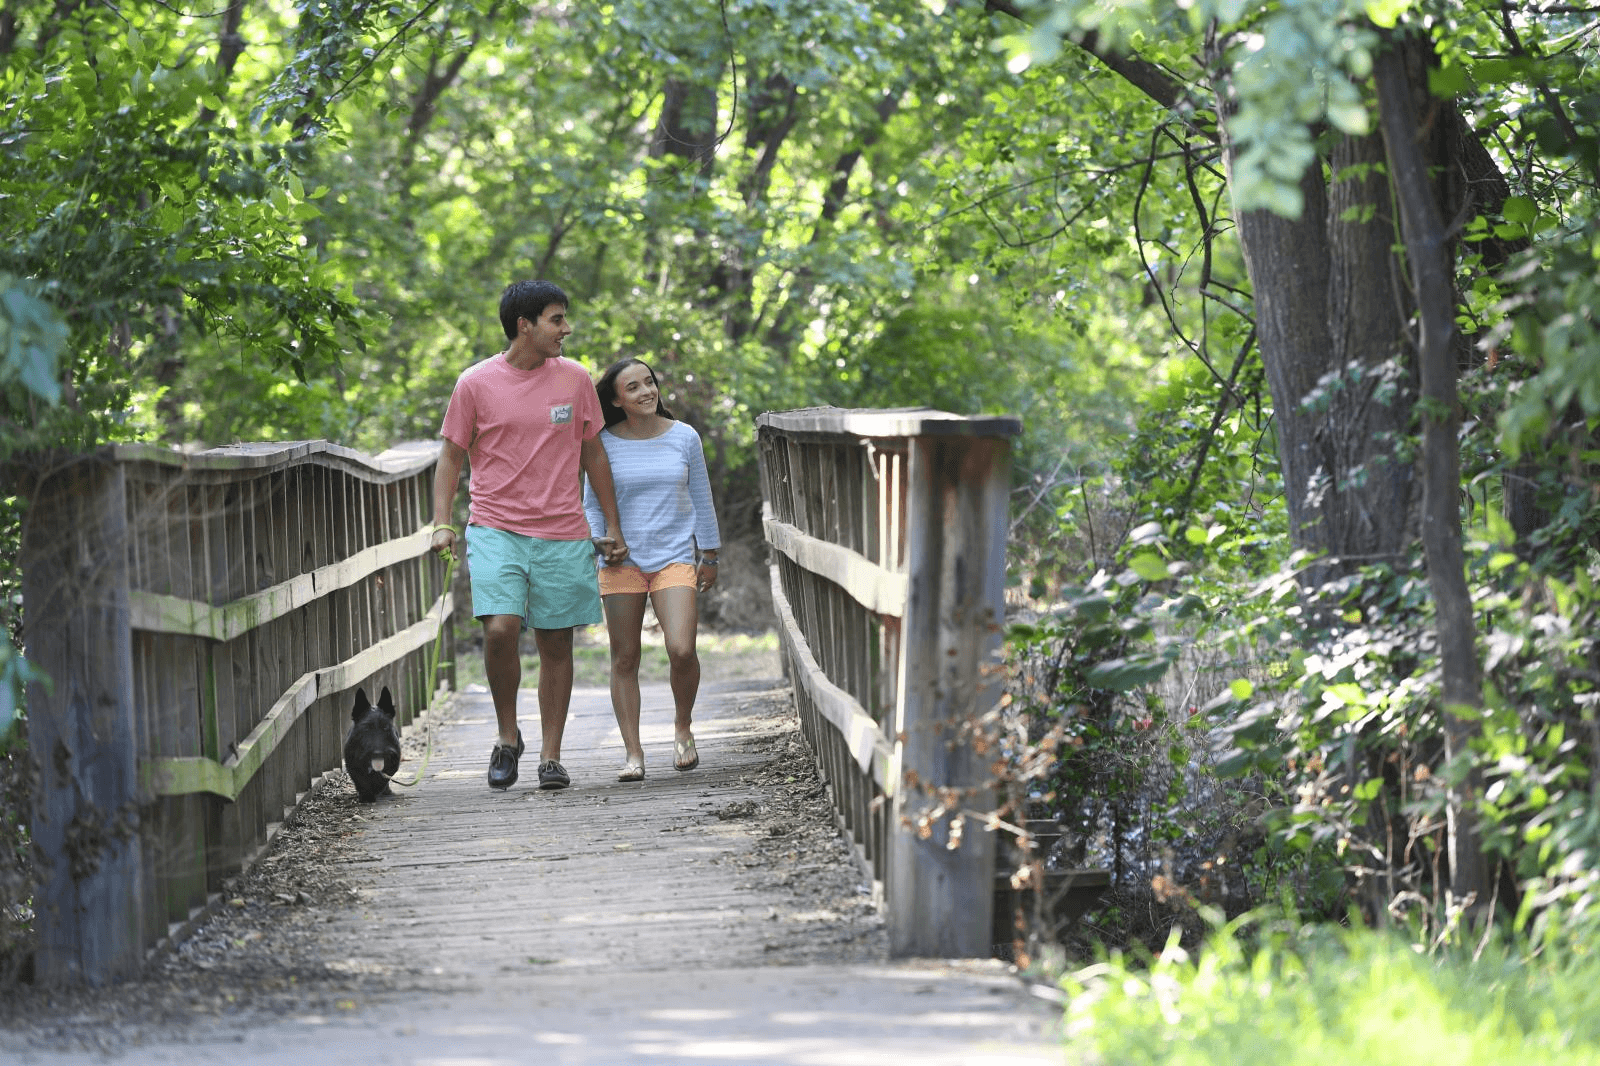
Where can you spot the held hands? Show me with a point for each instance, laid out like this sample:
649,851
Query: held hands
612,549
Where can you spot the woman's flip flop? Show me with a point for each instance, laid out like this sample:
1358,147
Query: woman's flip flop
687,758
631,771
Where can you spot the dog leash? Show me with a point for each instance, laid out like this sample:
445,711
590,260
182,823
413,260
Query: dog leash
433,682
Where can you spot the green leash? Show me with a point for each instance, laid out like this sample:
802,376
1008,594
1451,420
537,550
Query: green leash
433,681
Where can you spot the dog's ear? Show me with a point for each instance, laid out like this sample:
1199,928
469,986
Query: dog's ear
386,702
362,705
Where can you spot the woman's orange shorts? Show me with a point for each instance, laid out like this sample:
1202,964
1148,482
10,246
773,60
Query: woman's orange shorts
630,579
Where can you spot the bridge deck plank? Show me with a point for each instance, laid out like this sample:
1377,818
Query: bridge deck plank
585,878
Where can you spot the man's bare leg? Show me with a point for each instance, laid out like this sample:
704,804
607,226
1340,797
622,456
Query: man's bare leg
555,688
502,663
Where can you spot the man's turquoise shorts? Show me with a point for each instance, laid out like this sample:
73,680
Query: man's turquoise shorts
550,584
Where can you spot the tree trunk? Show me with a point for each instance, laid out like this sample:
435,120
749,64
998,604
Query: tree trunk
688,125
1427,253
1328,317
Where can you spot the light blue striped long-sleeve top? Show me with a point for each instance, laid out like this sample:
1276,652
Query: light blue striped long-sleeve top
663,497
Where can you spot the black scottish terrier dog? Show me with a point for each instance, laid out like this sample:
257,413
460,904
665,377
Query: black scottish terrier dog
372,750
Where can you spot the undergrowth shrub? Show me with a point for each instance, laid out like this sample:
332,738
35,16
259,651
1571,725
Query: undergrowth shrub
1226,733
1113,673
1267,989
1353,735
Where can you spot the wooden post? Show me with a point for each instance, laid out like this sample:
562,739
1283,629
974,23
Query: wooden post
83,734
940,899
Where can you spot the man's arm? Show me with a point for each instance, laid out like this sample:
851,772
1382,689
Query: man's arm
592,458
445,476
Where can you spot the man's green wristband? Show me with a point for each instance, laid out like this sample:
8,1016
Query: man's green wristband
440,525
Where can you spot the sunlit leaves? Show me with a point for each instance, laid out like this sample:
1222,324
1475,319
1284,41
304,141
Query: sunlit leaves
1386,13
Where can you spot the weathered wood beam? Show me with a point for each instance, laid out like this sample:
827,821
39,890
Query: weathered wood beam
154,613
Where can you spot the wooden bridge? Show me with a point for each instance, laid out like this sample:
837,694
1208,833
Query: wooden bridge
205,619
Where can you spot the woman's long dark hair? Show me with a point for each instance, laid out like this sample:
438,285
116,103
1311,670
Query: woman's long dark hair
607,390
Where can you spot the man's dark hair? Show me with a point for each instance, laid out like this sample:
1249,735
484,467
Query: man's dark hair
607,391
527,299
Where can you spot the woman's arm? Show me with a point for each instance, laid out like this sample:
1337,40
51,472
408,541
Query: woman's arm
707,537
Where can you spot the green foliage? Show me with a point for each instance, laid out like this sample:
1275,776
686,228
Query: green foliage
1352,727
15,673
140,214
1269,990
1338,724
1550,328
1291,68
32,336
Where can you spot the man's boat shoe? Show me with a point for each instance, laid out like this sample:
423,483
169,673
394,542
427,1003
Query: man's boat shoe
503,764
551,775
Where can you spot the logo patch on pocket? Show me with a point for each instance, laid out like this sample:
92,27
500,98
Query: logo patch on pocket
561,414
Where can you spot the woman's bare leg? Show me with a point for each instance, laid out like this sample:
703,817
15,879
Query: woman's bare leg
624,620
679,616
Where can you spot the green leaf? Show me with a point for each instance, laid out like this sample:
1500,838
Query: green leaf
1447,81
1093,607
1125,675
1519,209
1349,117
1344,695
1500,560
32,338
1150,566
1235,763
1386,13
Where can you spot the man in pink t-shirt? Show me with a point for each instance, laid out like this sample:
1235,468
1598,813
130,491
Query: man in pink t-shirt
529,421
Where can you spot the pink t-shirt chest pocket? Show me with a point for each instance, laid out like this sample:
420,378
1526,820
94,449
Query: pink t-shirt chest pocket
561,414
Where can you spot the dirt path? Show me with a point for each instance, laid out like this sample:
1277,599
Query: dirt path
709,916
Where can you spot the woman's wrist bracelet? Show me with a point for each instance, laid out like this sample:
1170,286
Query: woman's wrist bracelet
704,561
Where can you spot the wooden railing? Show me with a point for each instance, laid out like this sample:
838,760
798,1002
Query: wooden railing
888,532
203,620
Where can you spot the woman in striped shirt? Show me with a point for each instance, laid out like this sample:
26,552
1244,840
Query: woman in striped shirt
664,501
